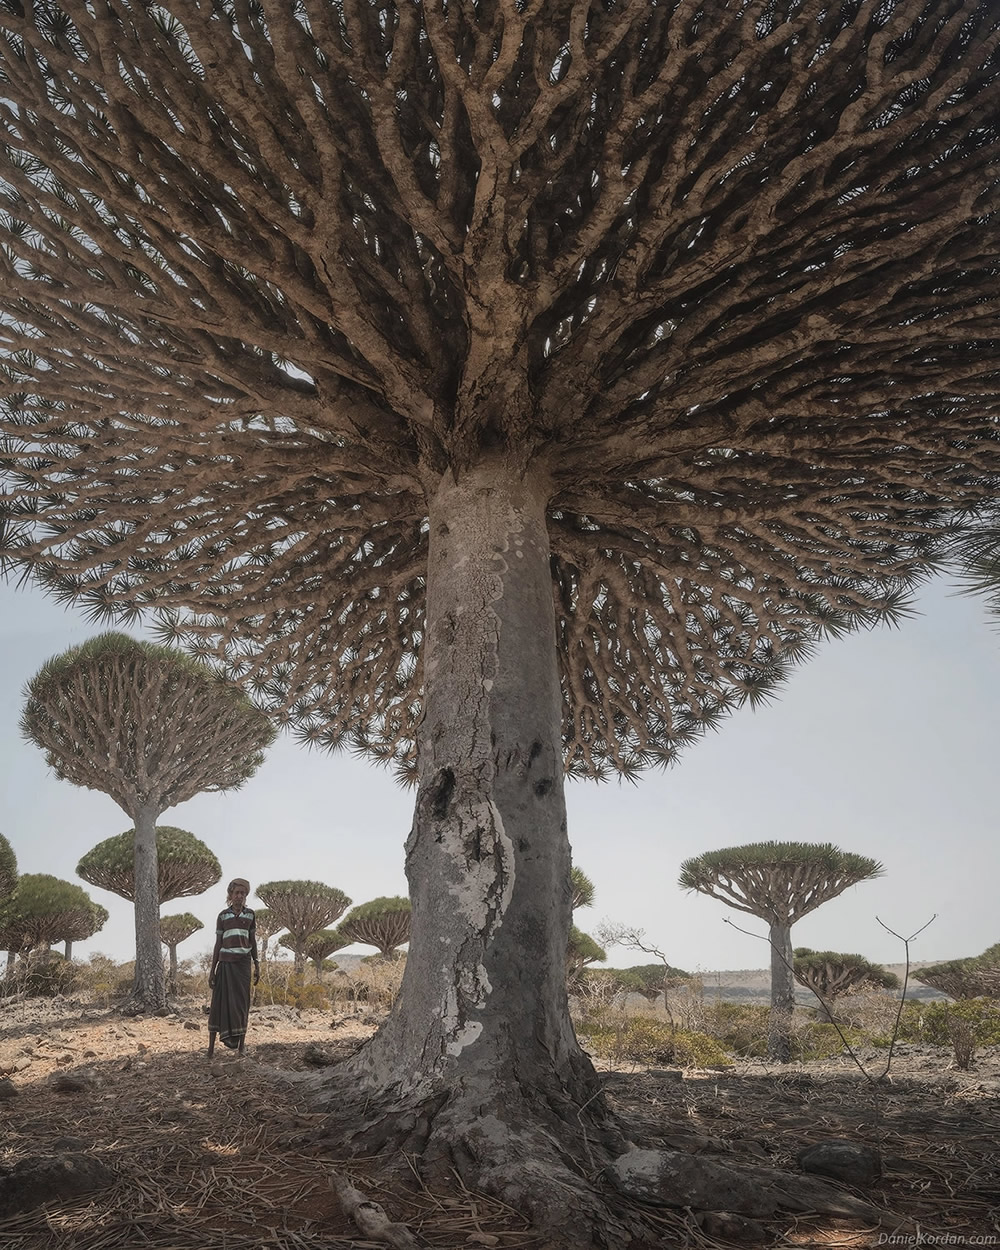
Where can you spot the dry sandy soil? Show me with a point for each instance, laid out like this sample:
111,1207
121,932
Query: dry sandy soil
223,1155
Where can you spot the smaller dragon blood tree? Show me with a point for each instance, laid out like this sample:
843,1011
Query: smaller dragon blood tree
44,909
8,868
780,882
973,977
318,946
303,908
831,974
174,930
382,922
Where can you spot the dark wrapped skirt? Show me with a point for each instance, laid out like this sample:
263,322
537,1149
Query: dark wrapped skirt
230,1008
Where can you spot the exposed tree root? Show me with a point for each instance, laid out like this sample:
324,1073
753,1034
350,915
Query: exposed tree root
567,1169
370,1217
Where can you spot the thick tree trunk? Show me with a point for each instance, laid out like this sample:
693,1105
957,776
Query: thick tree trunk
68,949
149,988
172,973
779,1031
479,1058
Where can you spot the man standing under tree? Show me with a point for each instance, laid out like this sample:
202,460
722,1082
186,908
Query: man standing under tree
229,979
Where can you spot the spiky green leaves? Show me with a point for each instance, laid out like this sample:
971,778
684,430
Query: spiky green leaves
965,978
185,865
143,723
178,928
777,881
583,888
46,909
381,922
582,950
317,946
8,868
833,973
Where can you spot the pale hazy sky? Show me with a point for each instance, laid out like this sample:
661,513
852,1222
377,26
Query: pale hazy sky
885,744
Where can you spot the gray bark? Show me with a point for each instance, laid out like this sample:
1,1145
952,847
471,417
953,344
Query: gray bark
149,988
779,1032
68,949
488,857
478,1063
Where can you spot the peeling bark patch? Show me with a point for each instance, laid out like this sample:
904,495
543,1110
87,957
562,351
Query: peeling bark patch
543,787
441,792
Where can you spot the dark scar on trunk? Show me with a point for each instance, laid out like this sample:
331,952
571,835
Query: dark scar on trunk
543,787
536,750
440,793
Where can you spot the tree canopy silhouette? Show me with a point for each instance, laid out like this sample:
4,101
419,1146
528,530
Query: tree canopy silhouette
534,380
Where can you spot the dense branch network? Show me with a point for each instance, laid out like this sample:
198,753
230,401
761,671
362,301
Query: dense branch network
725,269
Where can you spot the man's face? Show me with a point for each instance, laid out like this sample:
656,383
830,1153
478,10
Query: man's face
239,896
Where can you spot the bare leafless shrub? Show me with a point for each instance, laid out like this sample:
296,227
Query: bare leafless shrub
377,982
963,1042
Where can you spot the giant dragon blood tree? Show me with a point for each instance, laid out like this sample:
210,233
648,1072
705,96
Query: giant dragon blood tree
535,381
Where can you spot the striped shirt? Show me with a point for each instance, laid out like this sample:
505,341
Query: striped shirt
236,934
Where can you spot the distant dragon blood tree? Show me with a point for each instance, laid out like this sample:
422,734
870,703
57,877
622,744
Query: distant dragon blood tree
151,728
303,908
174,930
267,925
581,950
976,976
45,909
533,382
8,868
184,864
383,923
84,926
317,946
780,882
831,974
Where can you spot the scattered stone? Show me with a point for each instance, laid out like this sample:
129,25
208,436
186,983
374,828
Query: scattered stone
71,1144
90,1054
8,1089
41,1178
62,1060
317,1056
853,1163
192,1024
732,1227
72,1083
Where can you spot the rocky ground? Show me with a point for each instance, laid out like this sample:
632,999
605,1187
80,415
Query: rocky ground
150,1144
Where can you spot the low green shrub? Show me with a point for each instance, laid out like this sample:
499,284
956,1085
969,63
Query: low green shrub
982,1015
643,1039
741,1028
